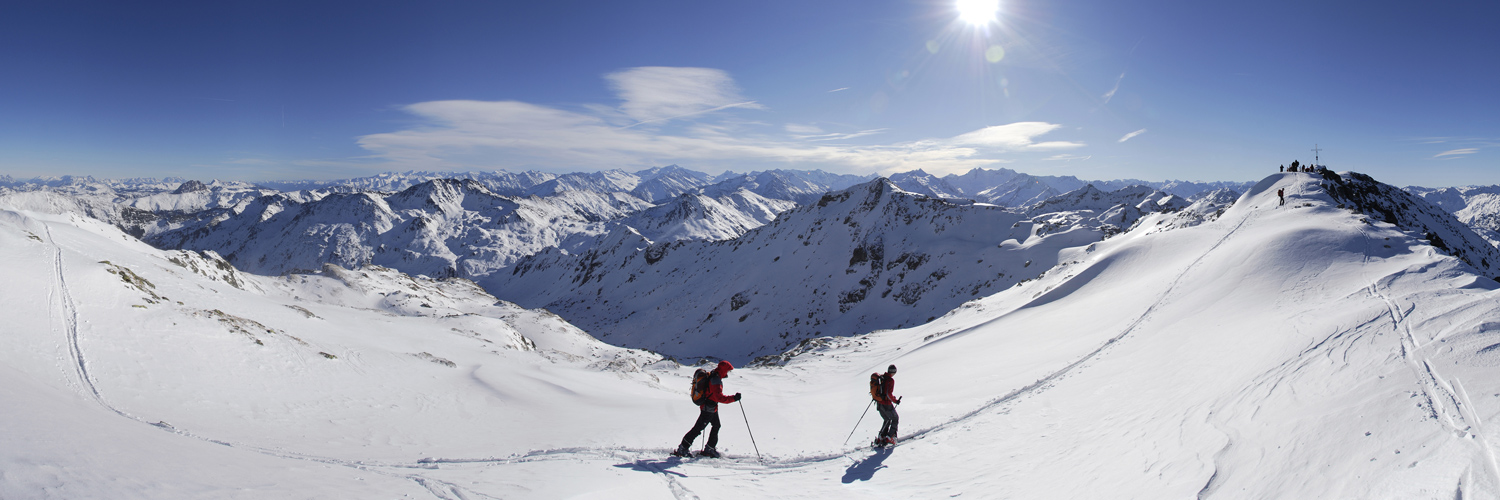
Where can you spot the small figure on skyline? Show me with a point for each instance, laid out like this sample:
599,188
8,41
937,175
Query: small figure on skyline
1283,168
707,393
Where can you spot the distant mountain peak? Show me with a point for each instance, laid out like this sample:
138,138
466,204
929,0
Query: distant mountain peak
190,187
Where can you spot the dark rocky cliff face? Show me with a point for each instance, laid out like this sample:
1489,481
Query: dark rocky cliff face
1365,195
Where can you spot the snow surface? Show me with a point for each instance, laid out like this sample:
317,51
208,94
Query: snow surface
1297,351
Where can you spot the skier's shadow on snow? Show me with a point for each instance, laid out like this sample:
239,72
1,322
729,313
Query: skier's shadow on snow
865,469
655,467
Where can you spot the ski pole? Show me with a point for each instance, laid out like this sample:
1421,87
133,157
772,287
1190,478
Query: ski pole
861,419
747,429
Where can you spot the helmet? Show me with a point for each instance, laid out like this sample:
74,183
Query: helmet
891,370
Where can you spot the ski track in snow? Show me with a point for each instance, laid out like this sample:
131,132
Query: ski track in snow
70,326
440,489
1461,420
1045,382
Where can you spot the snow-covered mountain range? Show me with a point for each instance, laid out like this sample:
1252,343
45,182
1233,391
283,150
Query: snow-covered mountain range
870,257
596,249
1328,347
410,221
1477,206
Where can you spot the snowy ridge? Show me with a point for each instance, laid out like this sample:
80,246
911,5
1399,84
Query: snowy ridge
694,216
917,181
668,182
1411,213
799,186
1109,213
439,228
500,181
1006,187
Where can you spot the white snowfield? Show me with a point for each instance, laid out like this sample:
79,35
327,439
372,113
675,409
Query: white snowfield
1276,352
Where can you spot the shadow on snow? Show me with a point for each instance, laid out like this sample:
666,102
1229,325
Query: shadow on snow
654,467
865,469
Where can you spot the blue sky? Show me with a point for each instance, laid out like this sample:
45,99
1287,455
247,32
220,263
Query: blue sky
1101,89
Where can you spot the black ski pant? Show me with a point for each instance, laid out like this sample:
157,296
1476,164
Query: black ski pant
888,412
705,418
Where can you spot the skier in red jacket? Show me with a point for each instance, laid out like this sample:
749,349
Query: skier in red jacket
708,413
886,402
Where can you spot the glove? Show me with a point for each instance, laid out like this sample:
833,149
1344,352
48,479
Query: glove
898,401
736,396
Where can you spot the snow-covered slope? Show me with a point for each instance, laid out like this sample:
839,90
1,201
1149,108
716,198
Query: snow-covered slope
869,257
1297,351
141,373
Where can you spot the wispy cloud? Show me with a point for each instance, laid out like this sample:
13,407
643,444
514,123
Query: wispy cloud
1132,135
691,123
1019,136
1477,142
840,136
1111,94
656,93
1452,152
1067,157
840,89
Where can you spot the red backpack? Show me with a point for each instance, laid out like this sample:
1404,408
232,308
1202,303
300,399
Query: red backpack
699,391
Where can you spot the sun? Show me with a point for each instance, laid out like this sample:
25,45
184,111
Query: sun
977,12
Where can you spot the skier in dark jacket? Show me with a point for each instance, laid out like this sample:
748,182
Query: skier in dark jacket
886,403
708,413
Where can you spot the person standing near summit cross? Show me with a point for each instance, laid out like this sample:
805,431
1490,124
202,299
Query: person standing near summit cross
708,392
883,390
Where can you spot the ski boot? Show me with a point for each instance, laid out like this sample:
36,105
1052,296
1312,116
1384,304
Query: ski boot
681,451
709,452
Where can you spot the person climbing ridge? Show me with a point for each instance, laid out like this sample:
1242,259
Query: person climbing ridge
1281,193
707,393
883,390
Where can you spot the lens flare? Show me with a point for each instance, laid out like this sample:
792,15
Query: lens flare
994,54
977,12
